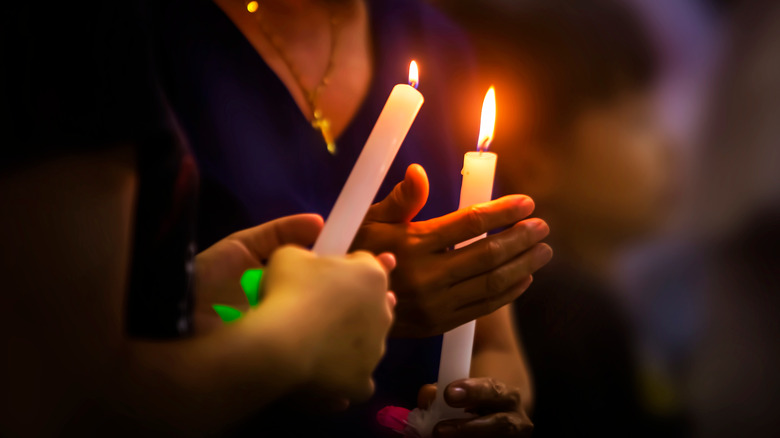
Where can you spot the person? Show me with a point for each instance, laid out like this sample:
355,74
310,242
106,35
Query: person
578,87
252,84
99,271
720,272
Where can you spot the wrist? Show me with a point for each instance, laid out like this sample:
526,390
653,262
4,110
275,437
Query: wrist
284,335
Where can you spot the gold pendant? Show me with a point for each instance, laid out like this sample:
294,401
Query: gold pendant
323,125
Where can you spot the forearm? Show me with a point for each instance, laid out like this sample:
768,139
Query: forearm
201,384
498,354
70,367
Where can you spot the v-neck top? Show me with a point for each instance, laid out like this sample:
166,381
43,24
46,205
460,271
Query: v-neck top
259,157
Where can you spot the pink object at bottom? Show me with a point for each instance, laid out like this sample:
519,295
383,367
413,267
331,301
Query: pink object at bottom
393,417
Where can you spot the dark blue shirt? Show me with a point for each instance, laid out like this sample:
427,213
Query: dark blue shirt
260,158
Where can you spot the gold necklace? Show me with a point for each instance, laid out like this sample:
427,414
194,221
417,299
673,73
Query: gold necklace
319,122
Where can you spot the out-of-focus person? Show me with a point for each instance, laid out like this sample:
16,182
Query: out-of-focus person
717,283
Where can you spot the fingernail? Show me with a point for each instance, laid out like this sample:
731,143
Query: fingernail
538,228
544,254
457,394
391,299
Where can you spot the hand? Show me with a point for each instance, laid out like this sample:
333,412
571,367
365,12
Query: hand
499,409
340,311
218,269
438,289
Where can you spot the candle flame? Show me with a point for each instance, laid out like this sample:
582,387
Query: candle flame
488,122
252,7
414,76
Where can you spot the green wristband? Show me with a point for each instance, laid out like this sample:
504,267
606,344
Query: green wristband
251,282
227,313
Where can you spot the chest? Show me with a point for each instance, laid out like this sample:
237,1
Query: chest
323,58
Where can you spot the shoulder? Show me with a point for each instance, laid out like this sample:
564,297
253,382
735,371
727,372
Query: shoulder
78,83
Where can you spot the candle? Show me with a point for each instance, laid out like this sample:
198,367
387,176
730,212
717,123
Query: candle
351,206
371,167
477,187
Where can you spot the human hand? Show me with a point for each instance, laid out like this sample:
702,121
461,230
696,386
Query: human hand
499,409
219,267
437,289
336,313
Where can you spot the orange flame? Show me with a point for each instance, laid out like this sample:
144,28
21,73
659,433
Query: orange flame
488,121
414,76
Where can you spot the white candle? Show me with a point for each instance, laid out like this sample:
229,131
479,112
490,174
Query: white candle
372,165
478,171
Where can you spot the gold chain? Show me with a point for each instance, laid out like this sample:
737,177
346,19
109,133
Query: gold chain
319,122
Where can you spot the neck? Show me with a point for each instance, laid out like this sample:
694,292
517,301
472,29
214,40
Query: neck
296,9
296,6
305,21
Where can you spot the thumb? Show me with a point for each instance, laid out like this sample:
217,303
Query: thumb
426,395
262,240
405,201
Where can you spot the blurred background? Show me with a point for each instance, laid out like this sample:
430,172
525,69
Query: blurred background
648,132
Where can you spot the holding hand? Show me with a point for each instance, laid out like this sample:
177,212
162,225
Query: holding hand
340,311
219,267
499,409
332,313
439,289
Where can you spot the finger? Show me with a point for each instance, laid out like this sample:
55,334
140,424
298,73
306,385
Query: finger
338,405
262,240
496,282
498,425
459,314
405,201
391,300
492,251
470,222
387,260
486,306
391,303
482,394
362,392
368,258
426,395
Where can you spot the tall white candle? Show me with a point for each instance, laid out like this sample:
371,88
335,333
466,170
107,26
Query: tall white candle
372,165
478,172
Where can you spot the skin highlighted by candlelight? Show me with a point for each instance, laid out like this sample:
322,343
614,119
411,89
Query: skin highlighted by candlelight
477,406
438,288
